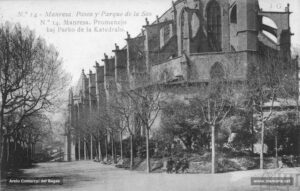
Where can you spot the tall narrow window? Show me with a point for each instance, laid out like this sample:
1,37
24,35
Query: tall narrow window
182,29
214,26
166,33
233,18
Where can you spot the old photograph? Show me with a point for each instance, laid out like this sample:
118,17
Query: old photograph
150,95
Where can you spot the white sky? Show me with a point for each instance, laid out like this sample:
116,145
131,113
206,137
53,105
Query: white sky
81,50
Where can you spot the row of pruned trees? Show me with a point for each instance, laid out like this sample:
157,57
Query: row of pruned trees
31,78
271,79
127,112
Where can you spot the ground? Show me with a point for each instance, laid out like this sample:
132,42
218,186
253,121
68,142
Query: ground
88,175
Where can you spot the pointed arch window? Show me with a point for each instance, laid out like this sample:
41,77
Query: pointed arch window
217,77
166,33
214,26
217,71
233,16
184,30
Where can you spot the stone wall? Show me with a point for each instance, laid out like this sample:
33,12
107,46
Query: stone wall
179,50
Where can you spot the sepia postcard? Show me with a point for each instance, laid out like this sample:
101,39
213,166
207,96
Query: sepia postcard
154,95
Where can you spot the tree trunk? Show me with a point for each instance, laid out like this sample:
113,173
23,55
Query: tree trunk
276,150
24,151
2,149
1,142
115,150
33,151
213,149
297,98
27,153
84,148
4,155
91,147
121,145
112,148
15,153
252,132
96,151
30,147
100,158
2,160
261,164
106,148
147,151
99,150
8,150
131,152
79,149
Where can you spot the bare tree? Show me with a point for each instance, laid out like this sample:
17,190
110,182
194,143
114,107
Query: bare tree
216,104
280,120
36,128
146,101
102,124
272,79
31,77
124,109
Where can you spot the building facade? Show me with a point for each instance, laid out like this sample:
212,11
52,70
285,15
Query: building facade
181,46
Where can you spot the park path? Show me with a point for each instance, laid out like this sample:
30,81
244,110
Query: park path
88,175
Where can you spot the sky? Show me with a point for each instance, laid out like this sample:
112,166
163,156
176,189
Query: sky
65,23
